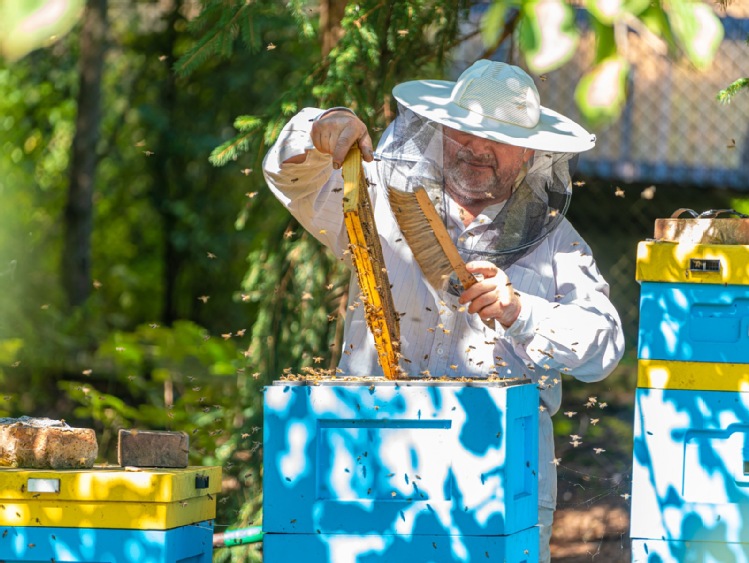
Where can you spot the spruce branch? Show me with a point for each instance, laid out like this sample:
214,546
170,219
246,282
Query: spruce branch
199,54
219,39
726,95
247,123
230,149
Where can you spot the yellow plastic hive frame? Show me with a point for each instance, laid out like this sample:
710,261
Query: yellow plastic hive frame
366,255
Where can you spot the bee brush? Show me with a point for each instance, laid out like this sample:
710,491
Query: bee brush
427,237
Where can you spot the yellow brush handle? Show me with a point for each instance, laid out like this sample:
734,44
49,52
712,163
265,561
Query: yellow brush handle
364,265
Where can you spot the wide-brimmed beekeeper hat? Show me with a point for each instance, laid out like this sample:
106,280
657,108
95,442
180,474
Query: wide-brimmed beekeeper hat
495,101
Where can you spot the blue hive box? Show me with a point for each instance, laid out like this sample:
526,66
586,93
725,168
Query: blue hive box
694,322
33,544
660,551
690,480
694,302
520,547
427,471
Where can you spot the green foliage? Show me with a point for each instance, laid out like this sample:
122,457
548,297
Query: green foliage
179,378
697,29
601,93
608,13
726,95
548,36
414,38
160,207
247,125
219,26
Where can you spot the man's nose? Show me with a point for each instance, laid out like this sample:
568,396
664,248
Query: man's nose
477,145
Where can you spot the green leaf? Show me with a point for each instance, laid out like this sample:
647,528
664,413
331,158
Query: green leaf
605,41
656,21
697,29
9,350
726,95
548,35
493,22
26,25
610,11
606,12
601,93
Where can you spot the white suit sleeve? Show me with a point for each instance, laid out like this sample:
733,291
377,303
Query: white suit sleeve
312,191
579,333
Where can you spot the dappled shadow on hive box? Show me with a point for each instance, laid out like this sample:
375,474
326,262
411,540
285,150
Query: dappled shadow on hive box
375,470
690,480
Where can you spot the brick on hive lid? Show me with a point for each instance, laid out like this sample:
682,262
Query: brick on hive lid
152,448
43,443
722,226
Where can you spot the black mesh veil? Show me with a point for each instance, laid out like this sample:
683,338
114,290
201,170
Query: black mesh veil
410,156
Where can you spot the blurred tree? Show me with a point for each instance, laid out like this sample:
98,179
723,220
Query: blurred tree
78,218
331,14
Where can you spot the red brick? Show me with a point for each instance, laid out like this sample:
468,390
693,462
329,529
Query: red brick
42,443
152,448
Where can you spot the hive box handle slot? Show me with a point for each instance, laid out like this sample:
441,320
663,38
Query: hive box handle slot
704,265
36,485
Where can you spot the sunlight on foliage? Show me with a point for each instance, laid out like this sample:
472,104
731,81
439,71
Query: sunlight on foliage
548,35
697,29
26,25
601,93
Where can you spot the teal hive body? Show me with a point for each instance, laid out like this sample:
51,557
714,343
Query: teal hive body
185,544
400,471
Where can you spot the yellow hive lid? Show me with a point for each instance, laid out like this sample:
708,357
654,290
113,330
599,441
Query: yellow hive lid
662,261
110,484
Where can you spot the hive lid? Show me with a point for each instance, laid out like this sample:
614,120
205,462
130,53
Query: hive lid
110,484
716,226
670,262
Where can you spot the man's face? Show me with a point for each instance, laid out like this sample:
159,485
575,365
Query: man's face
480,172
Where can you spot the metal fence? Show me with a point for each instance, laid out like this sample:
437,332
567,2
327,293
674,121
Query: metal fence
673,128
675,146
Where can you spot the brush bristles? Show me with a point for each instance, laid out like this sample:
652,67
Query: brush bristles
420,237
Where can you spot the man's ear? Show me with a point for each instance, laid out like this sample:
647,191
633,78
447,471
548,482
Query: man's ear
528,154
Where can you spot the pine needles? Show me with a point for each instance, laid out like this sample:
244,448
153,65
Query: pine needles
726,95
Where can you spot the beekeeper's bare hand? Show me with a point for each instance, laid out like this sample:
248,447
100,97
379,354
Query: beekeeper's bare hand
337,131
492,298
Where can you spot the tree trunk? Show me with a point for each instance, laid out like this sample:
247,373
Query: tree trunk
78,215
331,14
166,191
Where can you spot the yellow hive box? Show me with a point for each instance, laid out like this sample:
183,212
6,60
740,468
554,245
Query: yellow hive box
692,376
692,263
109,497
